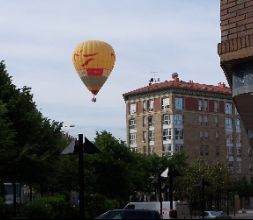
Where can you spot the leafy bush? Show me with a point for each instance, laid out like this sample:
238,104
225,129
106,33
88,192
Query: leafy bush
97,204
5,210
51,207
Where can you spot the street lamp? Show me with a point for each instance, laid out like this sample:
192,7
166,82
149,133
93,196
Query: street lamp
79,147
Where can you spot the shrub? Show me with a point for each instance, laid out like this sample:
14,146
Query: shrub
5,210
97,204
51,207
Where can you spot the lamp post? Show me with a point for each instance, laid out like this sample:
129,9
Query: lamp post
79,147
81,175
170,172
203,183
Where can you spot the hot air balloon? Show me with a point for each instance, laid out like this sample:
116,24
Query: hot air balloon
94,61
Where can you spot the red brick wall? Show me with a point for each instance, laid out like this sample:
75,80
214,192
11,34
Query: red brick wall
236,22
139,107
191,104
222,107
157,104
211,106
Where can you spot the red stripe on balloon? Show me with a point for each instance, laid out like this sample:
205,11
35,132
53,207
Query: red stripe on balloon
90,54
95,71
87,61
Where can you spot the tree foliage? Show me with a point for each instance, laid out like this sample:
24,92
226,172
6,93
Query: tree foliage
29,142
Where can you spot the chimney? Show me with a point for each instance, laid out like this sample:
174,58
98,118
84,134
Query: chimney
175,76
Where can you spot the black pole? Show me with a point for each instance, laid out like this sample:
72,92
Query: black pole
14,199
160,194
227,202
81,175
203,198
171,189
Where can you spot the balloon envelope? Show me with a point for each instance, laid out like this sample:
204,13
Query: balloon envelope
94,61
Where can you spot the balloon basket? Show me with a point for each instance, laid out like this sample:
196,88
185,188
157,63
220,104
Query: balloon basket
94,99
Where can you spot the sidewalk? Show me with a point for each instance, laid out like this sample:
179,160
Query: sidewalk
239,215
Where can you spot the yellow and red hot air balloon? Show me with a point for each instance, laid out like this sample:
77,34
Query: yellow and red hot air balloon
94,61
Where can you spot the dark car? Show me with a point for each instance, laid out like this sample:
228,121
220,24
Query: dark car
212,215
129,214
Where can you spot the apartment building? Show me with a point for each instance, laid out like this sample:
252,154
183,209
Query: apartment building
201,120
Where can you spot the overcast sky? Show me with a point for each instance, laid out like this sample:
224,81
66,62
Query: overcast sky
37,40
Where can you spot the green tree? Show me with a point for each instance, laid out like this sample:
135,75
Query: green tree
34,142
7,142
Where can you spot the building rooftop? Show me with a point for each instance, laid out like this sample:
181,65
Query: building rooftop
176,83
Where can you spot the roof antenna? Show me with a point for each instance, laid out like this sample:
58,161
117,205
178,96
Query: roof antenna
153,79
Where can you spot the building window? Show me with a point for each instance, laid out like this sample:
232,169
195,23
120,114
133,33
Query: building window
145,121
238,151
166,119
151,135
133,149
150,121
200,120
216,121
238,125
217,135
230,150
133,138
202,105
216,106
179,103
167,134
132,123
179,134
166,147
178,119
148,105
150,149
144,136
228,123
179,147
228,108
229,139
201,135
206,135
238,139
132,108
203,120
165,103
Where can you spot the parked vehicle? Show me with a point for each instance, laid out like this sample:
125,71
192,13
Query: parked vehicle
129,214
212,215
167,213
8,193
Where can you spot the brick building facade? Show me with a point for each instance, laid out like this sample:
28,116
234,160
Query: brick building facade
236,56
236,22
171,116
